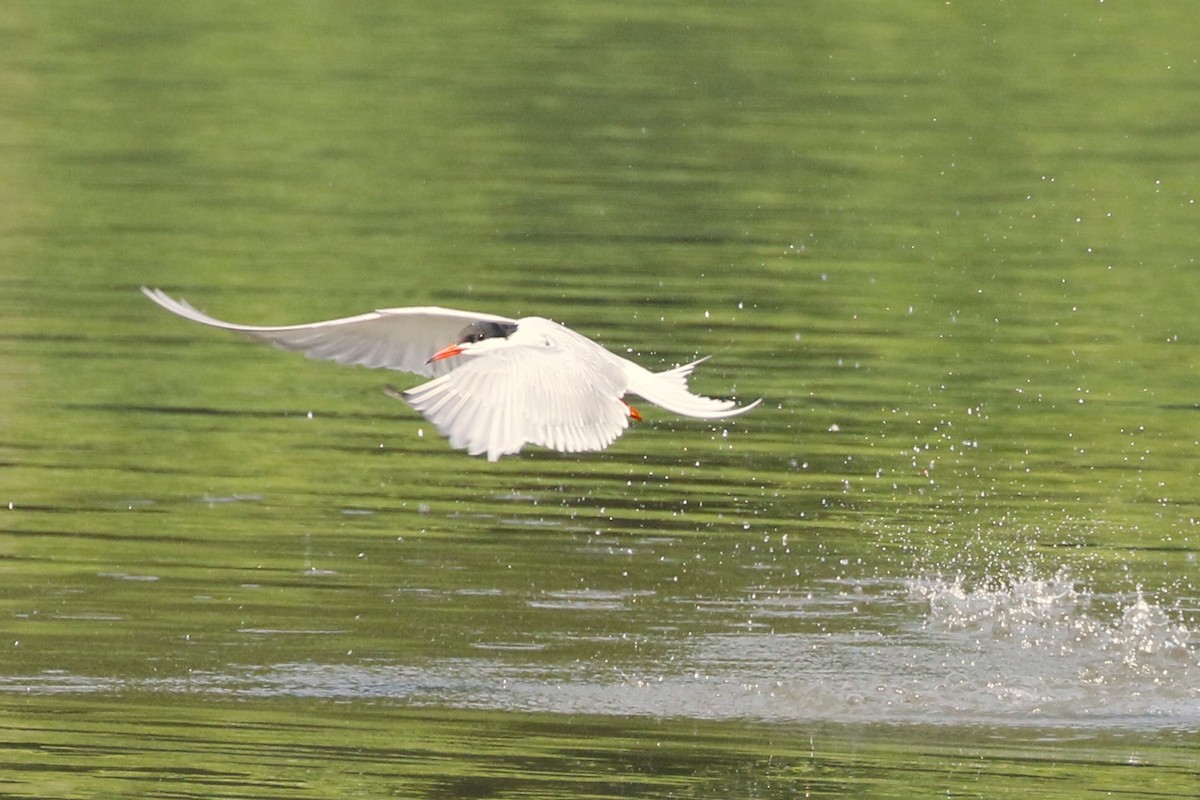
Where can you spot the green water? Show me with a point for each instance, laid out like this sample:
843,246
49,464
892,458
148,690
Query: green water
952,246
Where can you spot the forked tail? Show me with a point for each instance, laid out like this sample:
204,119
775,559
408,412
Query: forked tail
669,390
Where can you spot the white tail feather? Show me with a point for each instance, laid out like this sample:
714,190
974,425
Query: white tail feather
681,373
669,390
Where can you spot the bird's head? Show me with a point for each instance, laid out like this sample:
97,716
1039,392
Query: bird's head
478,337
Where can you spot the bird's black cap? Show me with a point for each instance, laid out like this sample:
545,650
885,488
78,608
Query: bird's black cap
478,331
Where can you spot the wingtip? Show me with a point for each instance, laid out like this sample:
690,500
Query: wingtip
164,300
159,297
395,394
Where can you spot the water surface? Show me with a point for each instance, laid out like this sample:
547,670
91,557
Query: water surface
955,550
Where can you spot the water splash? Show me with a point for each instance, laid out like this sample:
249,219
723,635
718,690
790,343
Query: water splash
1047,648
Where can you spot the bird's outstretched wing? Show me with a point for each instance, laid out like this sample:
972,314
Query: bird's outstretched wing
392,338
522,395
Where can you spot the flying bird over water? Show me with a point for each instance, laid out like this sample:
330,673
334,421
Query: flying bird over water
498,383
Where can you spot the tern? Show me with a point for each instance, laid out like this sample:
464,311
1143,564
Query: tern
498,383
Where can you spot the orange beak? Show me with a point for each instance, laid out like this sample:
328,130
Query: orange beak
445,352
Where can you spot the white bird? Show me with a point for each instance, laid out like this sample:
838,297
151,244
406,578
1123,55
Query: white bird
500,383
